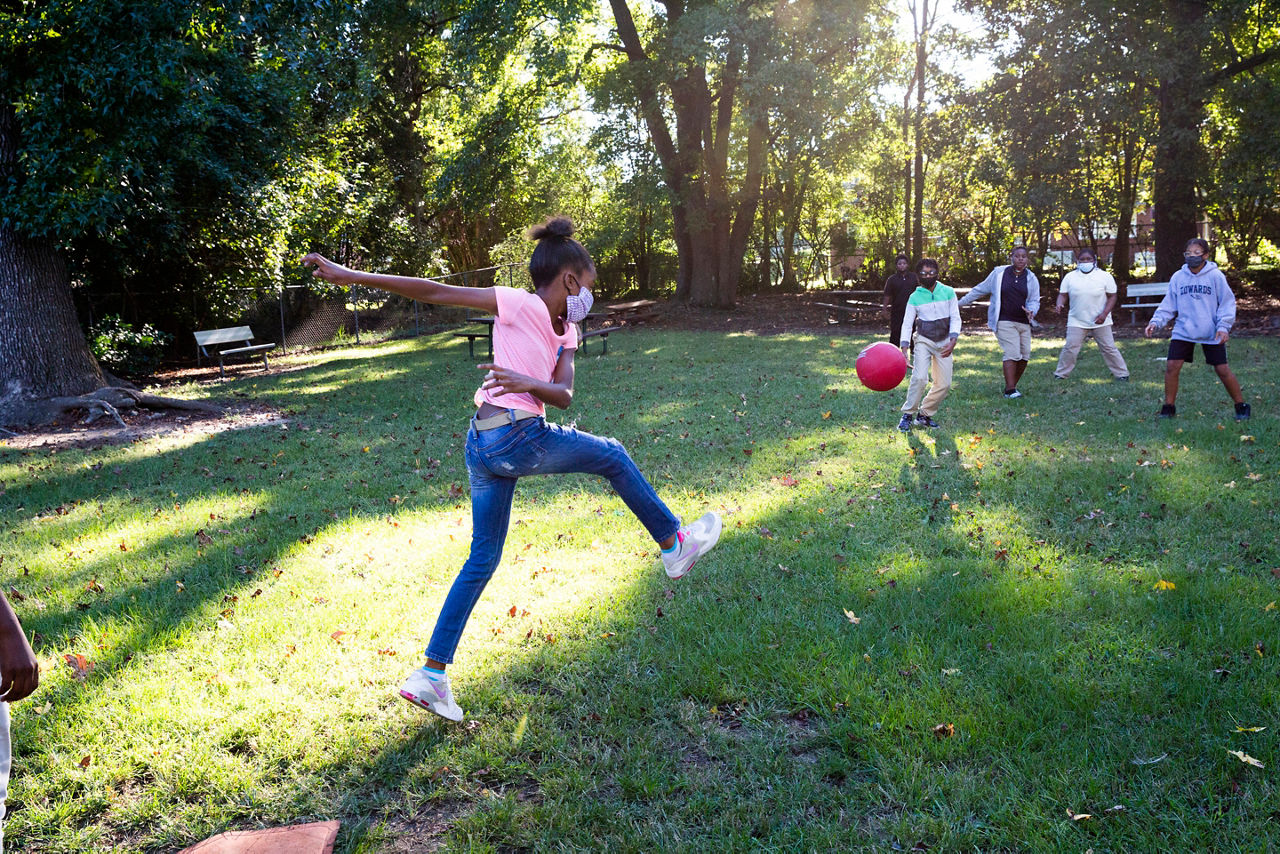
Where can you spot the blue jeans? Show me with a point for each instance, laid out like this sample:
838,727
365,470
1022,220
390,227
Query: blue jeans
496,459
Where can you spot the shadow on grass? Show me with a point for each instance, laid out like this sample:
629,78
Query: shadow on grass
655,724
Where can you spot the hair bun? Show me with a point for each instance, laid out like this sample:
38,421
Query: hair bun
555,226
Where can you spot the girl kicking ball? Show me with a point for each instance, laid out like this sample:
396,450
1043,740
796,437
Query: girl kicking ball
534,339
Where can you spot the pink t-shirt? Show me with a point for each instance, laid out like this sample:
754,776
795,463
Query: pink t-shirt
525,341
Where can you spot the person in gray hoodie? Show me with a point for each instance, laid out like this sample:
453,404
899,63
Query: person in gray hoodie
1205,310
1015,299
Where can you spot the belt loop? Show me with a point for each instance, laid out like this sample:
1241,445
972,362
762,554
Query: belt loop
511,416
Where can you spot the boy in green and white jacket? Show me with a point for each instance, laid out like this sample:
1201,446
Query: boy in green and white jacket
935,313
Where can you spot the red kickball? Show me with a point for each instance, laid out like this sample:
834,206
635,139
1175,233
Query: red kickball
881,366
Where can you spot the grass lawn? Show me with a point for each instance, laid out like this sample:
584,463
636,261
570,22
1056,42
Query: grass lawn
959,639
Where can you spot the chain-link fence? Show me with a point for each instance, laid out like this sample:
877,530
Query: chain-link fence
302,317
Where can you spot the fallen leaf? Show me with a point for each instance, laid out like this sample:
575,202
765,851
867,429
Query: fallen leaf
1271,606
1078,816
826,415
1164,585
338,635
43,710
512,612
84,763
950,671
942,731
202,538
1115,809
852,618
1250,728
1246,758
80,666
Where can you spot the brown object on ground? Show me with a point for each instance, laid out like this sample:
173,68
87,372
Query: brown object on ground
315,838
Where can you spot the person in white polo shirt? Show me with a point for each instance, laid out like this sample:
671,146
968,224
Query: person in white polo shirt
1091,292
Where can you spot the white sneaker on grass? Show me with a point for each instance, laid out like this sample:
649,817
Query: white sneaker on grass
434,695
692,542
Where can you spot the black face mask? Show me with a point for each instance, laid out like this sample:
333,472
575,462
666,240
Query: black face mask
928,277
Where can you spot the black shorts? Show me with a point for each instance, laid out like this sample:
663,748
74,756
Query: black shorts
1185,351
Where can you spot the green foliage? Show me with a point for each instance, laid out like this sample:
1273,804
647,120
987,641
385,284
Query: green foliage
123,349
167,147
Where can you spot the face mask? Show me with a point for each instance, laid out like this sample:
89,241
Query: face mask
578,306
1086,266
1193,261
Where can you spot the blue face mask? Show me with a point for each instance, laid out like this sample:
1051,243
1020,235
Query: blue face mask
1193,261
1086,266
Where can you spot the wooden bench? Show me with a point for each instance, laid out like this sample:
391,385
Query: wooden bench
241,335
602,333
846,312
471,335
1146,297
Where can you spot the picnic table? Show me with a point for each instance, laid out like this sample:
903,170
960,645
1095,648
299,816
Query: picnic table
635,311
847,305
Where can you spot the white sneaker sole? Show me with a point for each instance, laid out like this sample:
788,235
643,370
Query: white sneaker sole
447,714
715,538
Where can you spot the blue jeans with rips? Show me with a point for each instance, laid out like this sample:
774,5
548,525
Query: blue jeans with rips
496,459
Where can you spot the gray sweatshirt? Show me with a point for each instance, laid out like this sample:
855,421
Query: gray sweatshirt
1202,303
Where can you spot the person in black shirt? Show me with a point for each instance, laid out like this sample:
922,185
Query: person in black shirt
898,288
1015,298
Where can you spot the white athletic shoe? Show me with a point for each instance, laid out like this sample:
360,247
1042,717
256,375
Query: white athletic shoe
694,541
434,696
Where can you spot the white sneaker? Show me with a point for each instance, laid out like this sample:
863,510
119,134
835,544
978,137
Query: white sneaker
694,541
434,696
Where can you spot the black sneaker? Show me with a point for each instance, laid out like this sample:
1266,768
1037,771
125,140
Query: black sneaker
1168,410
905,424
1123,379
923,420
1243,412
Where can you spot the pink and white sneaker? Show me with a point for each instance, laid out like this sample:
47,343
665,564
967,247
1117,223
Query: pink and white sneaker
694,541
434,695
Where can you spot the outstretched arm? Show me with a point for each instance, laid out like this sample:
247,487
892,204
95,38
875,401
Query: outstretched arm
422,290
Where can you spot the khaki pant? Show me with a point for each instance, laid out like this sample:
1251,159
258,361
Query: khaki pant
927,354
1106,343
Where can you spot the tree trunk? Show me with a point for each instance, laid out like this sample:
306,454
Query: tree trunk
907,193
1177,156
43,352
711,225
917,225
1121,268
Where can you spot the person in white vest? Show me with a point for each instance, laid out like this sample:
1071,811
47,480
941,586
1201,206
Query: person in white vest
1091,293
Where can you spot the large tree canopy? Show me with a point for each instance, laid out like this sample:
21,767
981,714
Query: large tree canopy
138,141
1167,58
706,74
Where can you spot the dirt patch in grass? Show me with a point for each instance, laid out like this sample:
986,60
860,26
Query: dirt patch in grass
424,832
145,424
